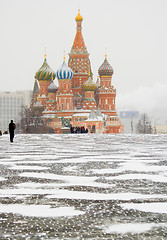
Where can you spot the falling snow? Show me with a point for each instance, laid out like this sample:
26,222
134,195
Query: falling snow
83,186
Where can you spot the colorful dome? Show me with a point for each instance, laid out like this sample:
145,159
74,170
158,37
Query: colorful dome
45,72
64,72
52,88
89,85
79,17
105,69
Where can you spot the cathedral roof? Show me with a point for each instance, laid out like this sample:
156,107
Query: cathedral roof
64,72
45,72
92,114
98,113
89,85
105,69
52,88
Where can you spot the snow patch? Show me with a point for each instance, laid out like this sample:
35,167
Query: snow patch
130,227
154,207
39,210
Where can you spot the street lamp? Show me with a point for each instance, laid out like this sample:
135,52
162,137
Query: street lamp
155,122
132,122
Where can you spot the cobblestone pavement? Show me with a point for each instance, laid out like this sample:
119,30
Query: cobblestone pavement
83,186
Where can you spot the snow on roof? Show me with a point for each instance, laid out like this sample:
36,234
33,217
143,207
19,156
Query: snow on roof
49,116
86,114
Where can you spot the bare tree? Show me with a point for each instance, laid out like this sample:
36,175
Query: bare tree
32,121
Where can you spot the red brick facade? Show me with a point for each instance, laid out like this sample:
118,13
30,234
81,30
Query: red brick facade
78,101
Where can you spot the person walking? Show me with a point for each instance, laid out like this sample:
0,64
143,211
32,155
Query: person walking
12,127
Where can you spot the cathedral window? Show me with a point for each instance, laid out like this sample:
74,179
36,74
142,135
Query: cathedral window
80,119
76,119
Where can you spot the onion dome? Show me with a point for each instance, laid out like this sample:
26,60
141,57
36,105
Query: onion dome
45,72
52,88
79,17
64,72
105,69
89,85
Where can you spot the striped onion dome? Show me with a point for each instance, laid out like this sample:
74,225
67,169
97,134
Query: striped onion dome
45,72
89,85
105,69
64,72
52,88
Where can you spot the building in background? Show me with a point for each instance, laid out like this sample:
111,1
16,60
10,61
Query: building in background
78,102
11,104
130,120
160,129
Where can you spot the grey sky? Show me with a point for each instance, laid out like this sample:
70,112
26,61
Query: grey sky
134,33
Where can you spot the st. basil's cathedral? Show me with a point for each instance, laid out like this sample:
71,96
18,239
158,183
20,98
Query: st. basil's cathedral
78,102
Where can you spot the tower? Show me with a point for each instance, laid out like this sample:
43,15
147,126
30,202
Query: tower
64,93
89,87
35,93
52,89
50,108
106,92
44,76
79,63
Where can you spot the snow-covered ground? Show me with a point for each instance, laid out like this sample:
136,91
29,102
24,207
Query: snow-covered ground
83,186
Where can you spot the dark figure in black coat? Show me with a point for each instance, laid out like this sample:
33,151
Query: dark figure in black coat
12,127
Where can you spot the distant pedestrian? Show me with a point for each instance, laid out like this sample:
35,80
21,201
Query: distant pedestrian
12,127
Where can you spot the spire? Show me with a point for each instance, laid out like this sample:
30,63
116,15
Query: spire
92,114
36,88
45,53
98,81
105,53
98,113
64,58
79,45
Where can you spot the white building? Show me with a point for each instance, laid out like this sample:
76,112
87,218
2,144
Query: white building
130,120
11,104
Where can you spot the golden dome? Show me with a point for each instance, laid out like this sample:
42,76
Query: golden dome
89,85
79,17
